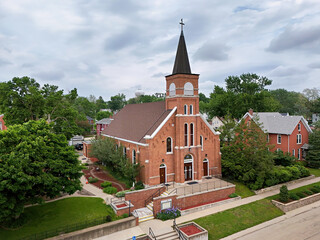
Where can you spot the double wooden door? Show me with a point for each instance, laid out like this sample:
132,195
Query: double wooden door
188,171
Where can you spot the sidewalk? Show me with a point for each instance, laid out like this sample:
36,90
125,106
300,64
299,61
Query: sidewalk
160,227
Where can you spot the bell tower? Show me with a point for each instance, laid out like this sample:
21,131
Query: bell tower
182,85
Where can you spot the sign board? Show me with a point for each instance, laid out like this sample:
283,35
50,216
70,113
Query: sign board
165,204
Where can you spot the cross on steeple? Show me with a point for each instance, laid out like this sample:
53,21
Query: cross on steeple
181,22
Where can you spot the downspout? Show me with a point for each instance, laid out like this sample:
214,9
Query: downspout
288,143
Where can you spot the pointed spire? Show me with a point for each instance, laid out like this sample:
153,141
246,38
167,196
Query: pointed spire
181,63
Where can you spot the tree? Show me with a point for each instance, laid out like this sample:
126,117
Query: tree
100,104
111,155
22,99
242,93
284,194
145,99
34,162
103,114
227,130
246,157
313,154
86,107
117,102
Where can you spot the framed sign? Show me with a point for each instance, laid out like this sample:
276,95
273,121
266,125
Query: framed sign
165,204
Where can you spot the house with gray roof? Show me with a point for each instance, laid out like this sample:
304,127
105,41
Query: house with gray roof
284,132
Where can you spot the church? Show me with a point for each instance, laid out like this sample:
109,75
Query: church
170,139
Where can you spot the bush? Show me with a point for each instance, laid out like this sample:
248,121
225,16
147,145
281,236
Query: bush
110,190
108,218
315,190
233,195
106,184
294,196
125,215
169,213
139,185
121,193
301,195
284,194
307,192
93,180
317,187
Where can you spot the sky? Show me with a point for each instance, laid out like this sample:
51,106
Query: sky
103,48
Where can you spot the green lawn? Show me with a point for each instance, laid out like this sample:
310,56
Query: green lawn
314,171
225,223
242,190
50,216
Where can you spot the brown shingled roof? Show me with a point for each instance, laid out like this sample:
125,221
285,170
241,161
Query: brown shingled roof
135,121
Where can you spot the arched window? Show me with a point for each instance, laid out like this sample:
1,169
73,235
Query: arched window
169,145
134,158
201,142
188,89
186,134
172,89
191,134
191,110
124,151
185,109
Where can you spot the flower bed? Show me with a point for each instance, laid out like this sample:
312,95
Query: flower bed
190,230
193,231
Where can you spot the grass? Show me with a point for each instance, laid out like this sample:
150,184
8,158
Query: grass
296,190
118,176
314,171
50,216
228,222
242,190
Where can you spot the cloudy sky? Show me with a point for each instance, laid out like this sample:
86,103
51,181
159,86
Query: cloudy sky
108,47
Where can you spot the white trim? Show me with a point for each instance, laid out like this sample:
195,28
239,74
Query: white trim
171,174
209,126
126,140
300,142
170,147
161,125
278,138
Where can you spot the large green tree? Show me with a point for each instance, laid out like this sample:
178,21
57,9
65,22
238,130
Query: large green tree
144,99
242,93
22,99
313,155
117,102
34,162
246,157
86,107
103,114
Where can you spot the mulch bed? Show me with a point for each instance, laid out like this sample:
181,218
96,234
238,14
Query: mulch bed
103,175
190,230
204,203
121,205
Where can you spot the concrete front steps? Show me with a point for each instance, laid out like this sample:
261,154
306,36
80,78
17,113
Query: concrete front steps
173,235
150,205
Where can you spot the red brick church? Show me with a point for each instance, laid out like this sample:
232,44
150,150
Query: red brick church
171,139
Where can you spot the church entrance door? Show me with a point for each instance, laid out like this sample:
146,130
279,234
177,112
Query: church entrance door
188,171
162,174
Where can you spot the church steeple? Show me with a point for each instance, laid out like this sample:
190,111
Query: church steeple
181,63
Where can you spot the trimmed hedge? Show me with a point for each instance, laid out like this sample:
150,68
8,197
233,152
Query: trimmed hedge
106,184
110,190
93,180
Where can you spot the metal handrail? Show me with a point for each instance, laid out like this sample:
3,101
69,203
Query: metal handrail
151,234
180,234
155,194
174,191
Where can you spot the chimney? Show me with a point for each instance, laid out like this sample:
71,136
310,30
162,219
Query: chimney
251,111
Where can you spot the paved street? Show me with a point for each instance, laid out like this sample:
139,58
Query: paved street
299,224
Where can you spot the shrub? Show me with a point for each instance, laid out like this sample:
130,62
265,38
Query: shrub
86,164
294,196
317,187
303,171
169,213
125,215
110,190
106,184
301,194
121,193
108,218
315,190
307,192
139,185
284,194
93,180
233,195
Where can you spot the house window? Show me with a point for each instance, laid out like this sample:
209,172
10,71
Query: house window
172,89
191,110
169,145
299,139
185,109
191,134
201,142
188,89
293,152
134,159
299,127
279,139
186,134
278,149
298,156
124,151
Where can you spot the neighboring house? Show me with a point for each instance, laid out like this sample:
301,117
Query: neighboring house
286,133
171,140
102,124
2,124
90,120
217,122
315,117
